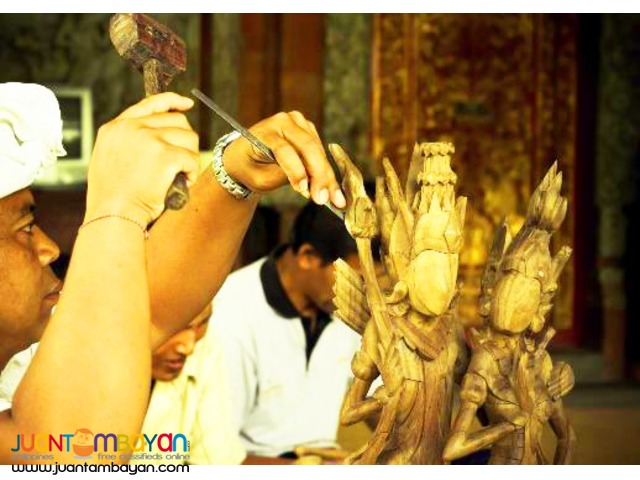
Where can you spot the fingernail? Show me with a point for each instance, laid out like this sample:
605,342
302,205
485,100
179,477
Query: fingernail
303,187
322,196
339,200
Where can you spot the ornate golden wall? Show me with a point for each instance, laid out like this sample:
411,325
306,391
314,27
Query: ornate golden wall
502,88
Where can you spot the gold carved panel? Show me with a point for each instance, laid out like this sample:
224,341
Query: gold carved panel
502,89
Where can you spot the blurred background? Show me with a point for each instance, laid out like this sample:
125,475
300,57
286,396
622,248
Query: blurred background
513,92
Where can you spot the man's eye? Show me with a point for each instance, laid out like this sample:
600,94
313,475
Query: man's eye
28,228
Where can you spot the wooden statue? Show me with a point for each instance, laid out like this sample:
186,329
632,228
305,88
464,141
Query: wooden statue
511,374
409,336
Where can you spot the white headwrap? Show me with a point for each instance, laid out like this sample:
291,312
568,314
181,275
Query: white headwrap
30,134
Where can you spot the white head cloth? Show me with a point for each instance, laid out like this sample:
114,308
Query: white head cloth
30,134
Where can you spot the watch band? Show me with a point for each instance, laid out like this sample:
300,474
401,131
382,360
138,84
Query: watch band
224,179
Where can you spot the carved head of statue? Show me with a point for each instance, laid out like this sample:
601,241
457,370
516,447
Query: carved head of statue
526,281
517,293
437,235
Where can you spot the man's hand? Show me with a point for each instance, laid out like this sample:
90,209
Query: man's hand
137,156
300,155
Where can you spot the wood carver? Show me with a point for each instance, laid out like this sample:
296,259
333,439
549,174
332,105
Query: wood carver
409,336
511,374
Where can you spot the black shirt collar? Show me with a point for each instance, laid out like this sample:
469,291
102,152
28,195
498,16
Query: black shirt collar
273,290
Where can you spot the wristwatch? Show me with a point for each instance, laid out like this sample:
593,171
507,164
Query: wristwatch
224,179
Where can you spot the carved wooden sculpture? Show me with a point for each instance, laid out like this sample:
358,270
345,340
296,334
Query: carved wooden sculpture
409,337
510,373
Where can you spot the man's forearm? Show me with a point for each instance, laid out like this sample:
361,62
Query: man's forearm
191,251
93,365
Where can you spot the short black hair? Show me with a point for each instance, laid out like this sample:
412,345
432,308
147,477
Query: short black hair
324,231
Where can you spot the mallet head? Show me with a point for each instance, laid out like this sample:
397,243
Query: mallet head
143,41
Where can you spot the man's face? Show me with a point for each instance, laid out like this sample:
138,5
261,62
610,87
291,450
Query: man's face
321,277
169,358
28,287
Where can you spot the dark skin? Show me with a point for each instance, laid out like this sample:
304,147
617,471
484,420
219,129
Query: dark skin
308,279
26,253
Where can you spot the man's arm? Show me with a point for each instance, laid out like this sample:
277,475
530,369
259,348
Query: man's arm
191,251
93,366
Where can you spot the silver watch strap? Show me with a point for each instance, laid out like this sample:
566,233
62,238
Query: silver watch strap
229,184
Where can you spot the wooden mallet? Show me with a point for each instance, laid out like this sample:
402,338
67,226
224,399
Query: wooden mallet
159,54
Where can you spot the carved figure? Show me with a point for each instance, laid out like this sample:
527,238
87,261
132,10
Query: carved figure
409,336
511,374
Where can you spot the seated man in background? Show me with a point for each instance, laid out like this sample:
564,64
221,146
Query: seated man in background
190,394
289,361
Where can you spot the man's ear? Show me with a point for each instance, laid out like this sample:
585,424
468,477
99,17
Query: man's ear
308,258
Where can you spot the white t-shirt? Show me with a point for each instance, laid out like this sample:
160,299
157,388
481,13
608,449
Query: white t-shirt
279,400
12,374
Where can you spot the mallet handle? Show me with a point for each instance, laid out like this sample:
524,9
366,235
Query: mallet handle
155,82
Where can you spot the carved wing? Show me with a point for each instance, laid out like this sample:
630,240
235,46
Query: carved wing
350,298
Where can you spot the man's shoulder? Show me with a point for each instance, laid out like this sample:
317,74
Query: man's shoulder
243,280
239,298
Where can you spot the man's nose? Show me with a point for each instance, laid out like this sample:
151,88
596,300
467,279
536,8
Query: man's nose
47,250
187,343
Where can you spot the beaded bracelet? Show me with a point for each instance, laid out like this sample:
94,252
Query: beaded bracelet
121,217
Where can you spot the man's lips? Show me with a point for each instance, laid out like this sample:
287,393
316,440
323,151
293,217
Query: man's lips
54,293
175,364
